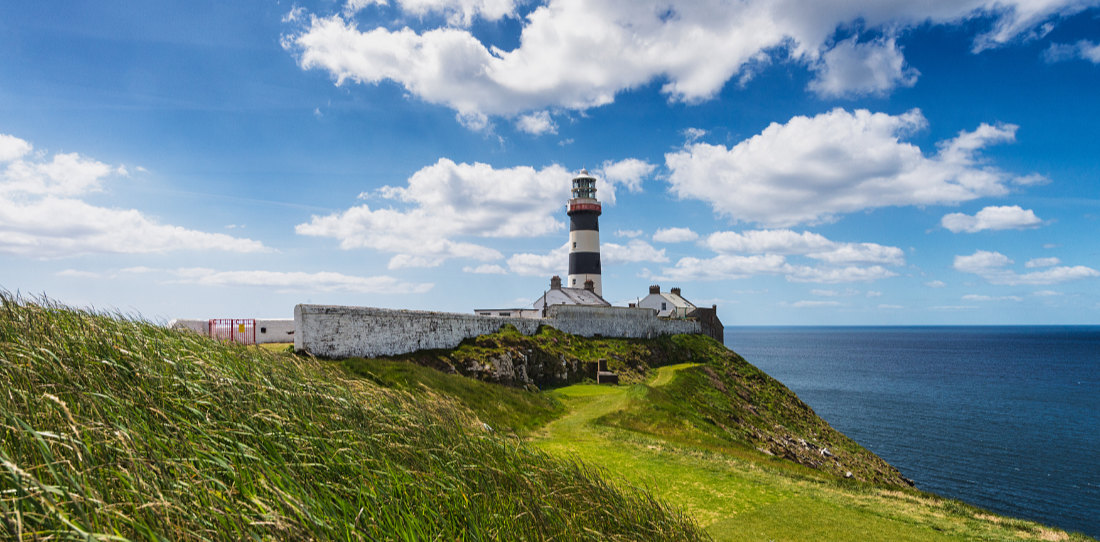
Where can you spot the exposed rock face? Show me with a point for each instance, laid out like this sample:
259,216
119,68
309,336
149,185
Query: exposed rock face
546,359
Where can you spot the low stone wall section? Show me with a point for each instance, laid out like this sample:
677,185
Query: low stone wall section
619,322
338,332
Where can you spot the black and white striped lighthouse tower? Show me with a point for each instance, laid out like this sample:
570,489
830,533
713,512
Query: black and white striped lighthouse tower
584,234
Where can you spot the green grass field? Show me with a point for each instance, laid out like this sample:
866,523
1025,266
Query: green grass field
115,429
663,434
112,429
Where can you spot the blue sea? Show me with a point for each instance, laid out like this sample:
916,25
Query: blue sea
1005,418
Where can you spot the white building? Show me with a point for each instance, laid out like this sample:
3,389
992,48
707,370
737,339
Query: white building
667,304
556,295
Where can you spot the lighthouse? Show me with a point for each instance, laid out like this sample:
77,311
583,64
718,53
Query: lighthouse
584,234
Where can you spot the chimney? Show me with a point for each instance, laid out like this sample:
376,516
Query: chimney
655,289
675,291
632,305
555,282
590,286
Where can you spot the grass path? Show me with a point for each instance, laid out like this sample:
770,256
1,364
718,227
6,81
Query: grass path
738,499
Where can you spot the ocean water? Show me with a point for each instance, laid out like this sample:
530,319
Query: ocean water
1005,418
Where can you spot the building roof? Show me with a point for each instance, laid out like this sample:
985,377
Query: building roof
676,300
570,296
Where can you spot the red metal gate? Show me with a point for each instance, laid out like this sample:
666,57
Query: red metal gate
238,330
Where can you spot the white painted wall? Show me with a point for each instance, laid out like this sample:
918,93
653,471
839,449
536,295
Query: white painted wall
279,330
340,332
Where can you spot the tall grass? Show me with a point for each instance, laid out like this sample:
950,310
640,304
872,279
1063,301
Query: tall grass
112,428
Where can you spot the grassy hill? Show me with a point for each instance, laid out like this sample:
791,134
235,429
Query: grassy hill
701,428
116,429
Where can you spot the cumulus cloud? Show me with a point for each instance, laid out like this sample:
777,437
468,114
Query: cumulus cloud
935,284
555,262
1084,49
809,244
630,234
635,250
1042,262
628,173
674,235
486,269
766,252
298,281
980,297
694,48
537,123
812,169
853,69
444,202
994,268
42,214
433,217
992,218
457,12
815,303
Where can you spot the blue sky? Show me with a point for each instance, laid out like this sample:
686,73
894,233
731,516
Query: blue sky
793,162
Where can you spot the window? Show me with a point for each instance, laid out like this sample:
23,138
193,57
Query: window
574,245
663,307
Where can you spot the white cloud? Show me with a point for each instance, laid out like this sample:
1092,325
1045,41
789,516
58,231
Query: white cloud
812,245
852,69
12,148
886,306
629,172
992,218
447,201
80,274
674,235
993,267
812,169
852,273
537,123
874,293
298,281
814,304
1042,262
42,215
634,251
1046,293
486,269
694,134
577,55
935,284
979,297
1085,50
556,262
768,250
629,233
726,266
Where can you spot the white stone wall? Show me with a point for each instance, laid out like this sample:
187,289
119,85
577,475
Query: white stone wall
201,327
275,331
339,332
620,322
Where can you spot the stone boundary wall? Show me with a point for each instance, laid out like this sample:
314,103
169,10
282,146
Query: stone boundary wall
619,322
332,331
338,332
